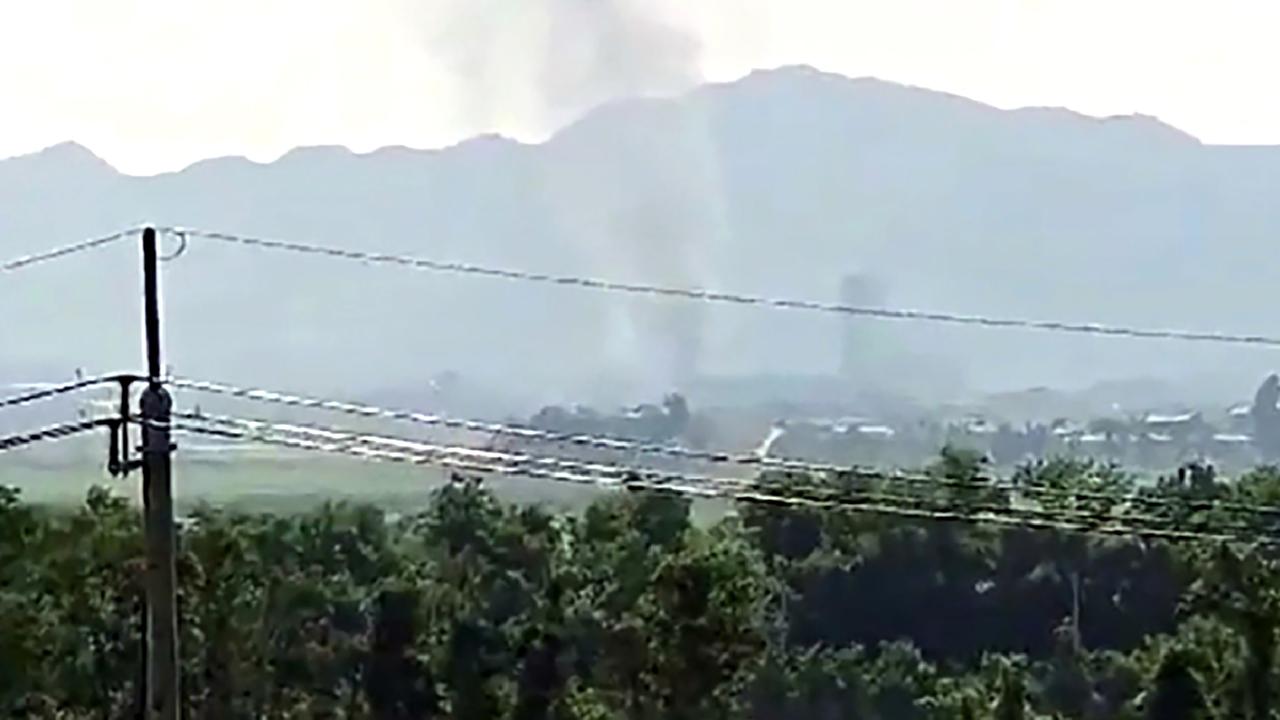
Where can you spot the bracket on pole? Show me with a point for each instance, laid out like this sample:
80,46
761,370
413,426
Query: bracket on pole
118,462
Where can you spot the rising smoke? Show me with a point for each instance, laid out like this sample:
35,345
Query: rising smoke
554,59
648,209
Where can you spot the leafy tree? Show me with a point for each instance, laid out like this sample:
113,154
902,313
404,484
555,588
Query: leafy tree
629,610
1241,589
398,685
1012,701
1175,692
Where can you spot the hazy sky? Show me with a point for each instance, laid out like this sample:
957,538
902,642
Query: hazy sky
152,85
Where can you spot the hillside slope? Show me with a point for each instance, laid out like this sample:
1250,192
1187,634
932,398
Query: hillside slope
779,183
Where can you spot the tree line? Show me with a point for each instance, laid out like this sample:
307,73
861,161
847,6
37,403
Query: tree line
474,609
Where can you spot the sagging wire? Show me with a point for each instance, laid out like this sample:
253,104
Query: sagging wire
66,250
756,461
713,296
376,447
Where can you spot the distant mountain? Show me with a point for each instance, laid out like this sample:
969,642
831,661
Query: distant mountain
779,183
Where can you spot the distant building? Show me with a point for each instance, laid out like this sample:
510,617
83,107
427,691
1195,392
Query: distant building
861,346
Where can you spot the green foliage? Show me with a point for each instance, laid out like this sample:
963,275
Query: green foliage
1175,692
473,609
1012,701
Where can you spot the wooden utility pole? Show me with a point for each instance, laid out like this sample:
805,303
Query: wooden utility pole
157,499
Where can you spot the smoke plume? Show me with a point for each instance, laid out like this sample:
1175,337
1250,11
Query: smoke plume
647,209
553,59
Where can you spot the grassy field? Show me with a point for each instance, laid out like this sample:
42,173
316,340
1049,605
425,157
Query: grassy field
268,484
275,482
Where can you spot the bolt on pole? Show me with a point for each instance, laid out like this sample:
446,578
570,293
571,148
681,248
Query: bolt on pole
157,499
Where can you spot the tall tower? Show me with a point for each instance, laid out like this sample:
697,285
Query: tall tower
862,340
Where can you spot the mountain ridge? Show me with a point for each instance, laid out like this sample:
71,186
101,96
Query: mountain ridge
786,73
777,184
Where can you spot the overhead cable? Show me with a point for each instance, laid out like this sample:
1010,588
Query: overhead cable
752,496
610,473
704,295
72,249
750,460
49,433
59,389
600,442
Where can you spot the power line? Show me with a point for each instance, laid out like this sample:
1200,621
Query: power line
49,433
360,447
618,474
747,495
605,474
60,389
350,439
788,465
704,295
601,442
72,249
